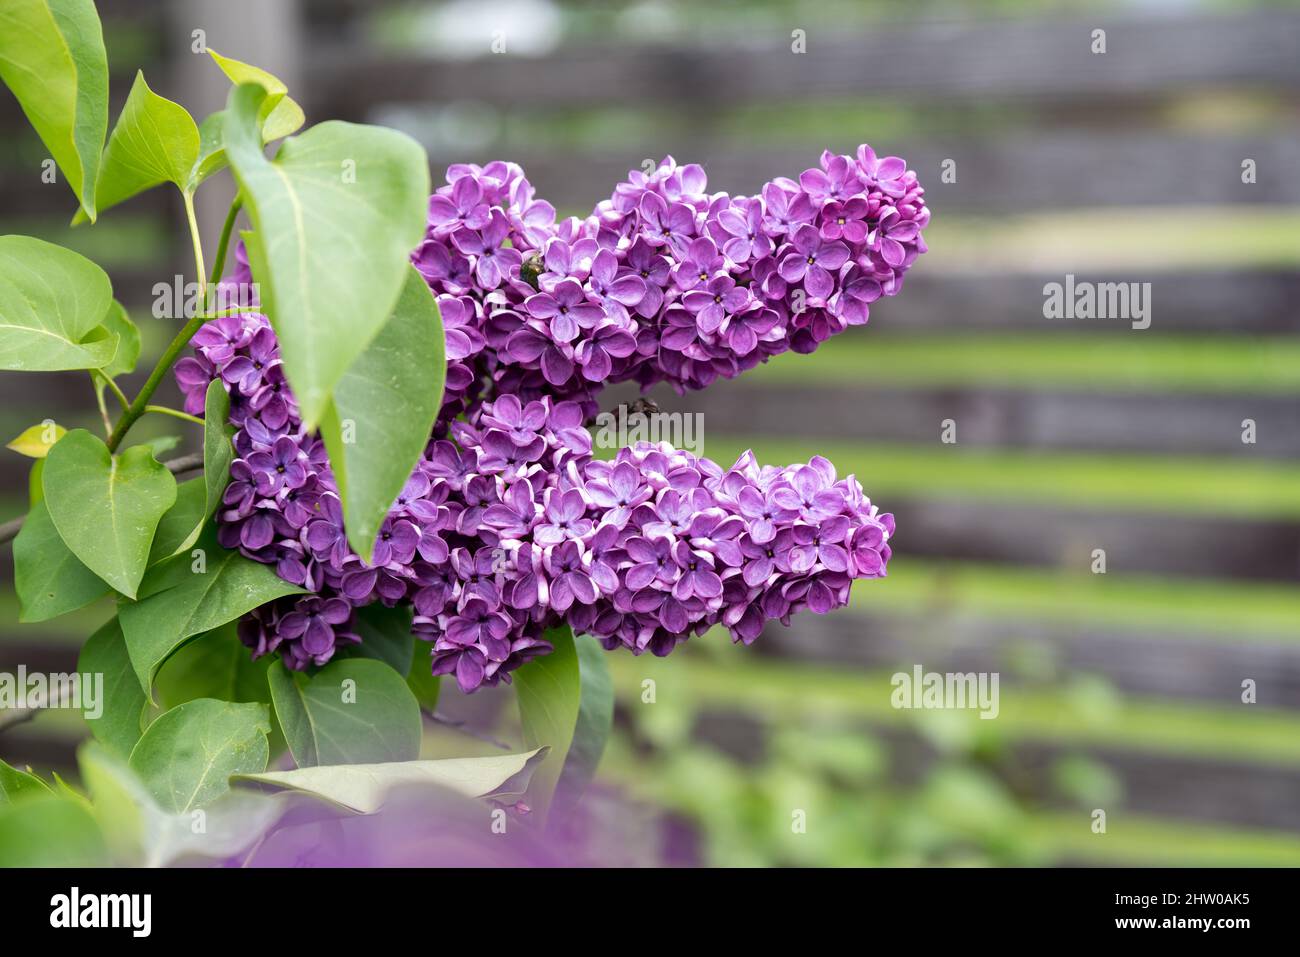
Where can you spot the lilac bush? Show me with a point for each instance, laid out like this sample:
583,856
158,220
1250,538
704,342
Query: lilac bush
508,526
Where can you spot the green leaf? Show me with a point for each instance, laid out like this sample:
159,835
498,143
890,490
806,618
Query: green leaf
385,636
35,441
121,720
185,596
52,304
197,499
107,507
218,452
335,218
549,691
140,833
52,58
388,399
279,114
214,665
186,757
363,787
180,525
212,153
119,324
155,141
16,785
49,579
353,711
595,718
50,831
424,684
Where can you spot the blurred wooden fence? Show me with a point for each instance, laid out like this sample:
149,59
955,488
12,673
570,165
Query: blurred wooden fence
1100,142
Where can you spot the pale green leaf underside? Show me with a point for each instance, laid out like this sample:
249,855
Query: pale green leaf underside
107,507
364,787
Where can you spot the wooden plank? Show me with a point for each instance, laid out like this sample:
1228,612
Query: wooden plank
1020,172
1200,545
1157,662
1000,418
1031,59
1231,302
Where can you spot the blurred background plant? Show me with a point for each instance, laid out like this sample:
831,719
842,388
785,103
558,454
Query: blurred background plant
1120,691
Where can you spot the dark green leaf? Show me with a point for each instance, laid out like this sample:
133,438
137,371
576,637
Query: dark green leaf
186,757
49,579
107,507
363,787
179,527
186,596
120,723
353,711
52,58
213,665
52,304
385,636
549,691
595,718
335,218
423,683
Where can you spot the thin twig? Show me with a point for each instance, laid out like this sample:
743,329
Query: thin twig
177,466
464,729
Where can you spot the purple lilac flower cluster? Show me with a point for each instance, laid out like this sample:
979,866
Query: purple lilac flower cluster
664,281
508,526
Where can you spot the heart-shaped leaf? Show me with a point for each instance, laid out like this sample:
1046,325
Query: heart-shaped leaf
214,665
106,507
352,711
364,787
119,724
189,595
155,141
335,217
549,692
377,425
52,58
52,304
280,115
186,757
